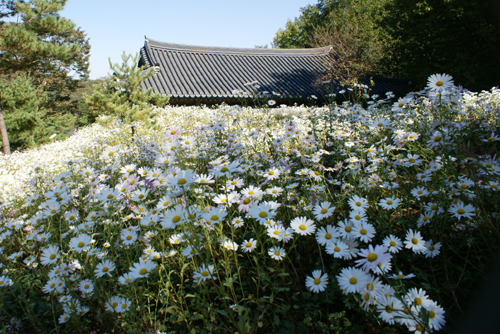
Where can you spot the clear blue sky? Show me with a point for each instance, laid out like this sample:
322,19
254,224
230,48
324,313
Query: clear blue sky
114,26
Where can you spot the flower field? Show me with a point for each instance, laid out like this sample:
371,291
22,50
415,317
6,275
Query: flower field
381,216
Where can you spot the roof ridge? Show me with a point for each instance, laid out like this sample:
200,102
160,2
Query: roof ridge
230,50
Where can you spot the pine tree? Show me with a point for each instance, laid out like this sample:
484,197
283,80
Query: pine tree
45,47
122,95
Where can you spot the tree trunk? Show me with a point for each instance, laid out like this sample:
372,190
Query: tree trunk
3,130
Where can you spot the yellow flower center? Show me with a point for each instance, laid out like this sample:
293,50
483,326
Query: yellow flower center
414,241
263,214
181,181
357,217
105,269
143,271
388,309
347,229
129,237
389,202
437,138
224,169
249,244
432,314
214,217
392,243
358,203
372,257
353,280
328,236
176,219
362,231
439,83
431,248
52,256
323,211
81,244
418,301
115,304
277,253
271,172
463,186
461,211
302,227
317,281
412,161
204,273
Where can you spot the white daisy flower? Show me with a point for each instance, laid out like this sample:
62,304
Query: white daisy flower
276,253
317,282
351,280
203,273
323,210
440,82
303,226
358,203
415,242
389,203
248,245
393,243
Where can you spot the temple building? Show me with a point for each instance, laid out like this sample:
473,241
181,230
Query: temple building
212,75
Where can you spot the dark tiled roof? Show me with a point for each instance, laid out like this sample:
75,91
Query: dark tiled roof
188,72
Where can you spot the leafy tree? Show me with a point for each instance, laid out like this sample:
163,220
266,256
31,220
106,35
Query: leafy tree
23,104
351,28
47,49
298,33
458,37
122,95
410,39
358,44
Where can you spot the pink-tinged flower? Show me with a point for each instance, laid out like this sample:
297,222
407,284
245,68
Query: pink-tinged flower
173,132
